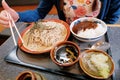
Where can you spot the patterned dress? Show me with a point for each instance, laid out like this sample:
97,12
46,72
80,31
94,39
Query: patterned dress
74,9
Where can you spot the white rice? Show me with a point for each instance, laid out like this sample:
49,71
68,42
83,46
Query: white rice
92,33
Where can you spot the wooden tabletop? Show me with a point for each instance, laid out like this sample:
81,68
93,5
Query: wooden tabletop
9,71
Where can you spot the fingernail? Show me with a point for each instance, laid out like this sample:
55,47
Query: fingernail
3,0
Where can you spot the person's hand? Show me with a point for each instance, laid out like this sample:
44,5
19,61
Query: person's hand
4,19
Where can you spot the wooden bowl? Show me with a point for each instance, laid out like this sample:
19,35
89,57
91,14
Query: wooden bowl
29,75
97,64
65,54
47,38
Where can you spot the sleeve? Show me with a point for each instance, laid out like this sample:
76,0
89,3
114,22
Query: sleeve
39,13
113,13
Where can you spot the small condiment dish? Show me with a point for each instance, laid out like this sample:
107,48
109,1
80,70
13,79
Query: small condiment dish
96,64
65,54
29,75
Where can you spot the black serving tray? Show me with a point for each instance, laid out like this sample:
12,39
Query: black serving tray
43,61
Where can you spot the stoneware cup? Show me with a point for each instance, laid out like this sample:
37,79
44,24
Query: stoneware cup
29,75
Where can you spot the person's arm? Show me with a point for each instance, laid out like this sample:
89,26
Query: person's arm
113,13
39,13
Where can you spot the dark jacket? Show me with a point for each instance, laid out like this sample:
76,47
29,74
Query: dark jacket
109,13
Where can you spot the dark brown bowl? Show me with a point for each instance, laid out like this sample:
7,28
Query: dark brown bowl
42,49
65,54
88,65
29,75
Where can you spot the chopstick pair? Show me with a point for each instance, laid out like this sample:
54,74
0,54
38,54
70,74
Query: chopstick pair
12,23
113,25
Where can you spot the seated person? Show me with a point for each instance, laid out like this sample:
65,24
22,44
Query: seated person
68,10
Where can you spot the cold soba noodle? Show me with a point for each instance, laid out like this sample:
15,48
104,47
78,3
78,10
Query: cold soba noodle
44,35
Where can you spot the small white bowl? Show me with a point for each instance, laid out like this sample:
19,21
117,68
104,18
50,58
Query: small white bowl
90,35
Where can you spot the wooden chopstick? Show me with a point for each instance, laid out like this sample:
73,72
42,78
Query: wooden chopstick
113,25
12,33
13,23
16,28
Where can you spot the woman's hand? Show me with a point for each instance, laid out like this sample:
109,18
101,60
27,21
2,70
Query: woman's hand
4,19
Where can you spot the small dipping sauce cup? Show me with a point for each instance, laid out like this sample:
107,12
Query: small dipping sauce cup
65,54
29,75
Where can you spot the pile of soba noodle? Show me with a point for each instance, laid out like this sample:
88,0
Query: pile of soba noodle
44,35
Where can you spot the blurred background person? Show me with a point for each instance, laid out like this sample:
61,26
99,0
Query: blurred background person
68,10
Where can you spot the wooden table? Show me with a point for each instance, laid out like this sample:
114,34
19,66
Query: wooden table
9,71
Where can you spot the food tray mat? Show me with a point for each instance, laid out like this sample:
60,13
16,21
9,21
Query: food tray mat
44,62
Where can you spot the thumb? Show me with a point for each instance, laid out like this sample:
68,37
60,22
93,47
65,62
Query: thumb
5,5
12,12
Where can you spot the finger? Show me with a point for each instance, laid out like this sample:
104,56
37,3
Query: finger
12,12
4,22
6,26
5,5
3,16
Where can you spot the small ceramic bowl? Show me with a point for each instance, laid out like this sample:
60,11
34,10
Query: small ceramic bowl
41,37
65,54
88,29
96,64
29,75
